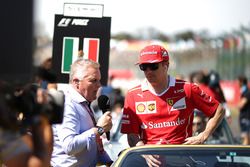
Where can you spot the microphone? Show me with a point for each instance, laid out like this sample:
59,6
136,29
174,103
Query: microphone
104,105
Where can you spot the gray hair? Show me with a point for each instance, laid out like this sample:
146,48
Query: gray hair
80,66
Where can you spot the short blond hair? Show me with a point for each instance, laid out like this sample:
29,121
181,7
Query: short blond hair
79,67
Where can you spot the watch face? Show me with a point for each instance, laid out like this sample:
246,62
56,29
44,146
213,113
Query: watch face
100,130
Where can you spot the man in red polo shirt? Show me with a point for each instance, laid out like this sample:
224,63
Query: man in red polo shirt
160,109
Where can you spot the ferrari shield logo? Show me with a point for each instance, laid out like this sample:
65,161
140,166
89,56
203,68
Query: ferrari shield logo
170,102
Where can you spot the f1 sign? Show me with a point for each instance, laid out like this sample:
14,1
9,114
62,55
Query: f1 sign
74,34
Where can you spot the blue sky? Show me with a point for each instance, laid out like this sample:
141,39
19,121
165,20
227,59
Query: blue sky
168,16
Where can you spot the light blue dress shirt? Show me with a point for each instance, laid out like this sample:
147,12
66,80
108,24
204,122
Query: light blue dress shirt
74,141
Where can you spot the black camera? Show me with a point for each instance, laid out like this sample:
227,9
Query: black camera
19,105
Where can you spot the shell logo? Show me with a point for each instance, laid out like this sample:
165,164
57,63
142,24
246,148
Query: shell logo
140,107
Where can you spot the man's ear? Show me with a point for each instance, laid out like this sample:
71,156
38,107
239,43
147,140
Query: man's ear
75,82
166,64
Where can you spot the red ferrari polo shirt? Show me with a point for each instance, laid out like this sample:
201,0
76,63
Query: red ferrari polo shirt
166,118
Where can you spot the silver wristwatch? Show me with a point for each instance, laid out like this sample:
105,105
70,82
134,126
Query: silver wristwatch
100,130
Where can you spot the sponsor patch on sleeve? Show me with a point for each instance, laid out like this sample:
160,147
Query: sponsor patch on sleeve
146,107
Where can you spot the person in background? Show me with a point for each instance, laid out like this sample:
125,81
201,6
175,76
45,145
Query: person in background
199,77
77,141
45,77
199,122
210,83
117,104
218,94
18,149
160,109
108,89
244,108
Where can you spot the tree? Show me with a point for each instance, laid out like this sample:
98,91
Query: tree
185,35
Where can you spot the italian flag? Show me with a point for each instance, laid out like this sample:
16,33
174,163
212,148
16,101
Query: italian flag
70,51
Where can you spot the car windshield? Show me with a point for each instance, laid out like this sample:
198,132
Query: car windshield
217,157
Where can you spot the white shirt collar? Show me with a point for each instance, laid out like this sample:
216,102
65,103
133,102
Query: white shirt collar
74,95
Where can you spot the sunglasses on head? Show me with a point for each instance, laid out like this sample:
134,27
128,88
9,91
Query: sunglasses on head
151,66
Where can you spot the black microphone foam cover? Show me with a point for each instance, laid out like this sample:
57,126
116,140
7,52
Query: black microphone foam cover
103,103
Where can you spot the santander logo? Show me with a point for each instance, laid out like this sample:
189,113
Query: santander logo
157,125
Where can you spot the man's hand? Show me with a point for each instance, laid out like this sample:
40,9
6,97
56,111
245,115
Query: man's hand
199,139
105,121
153,160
